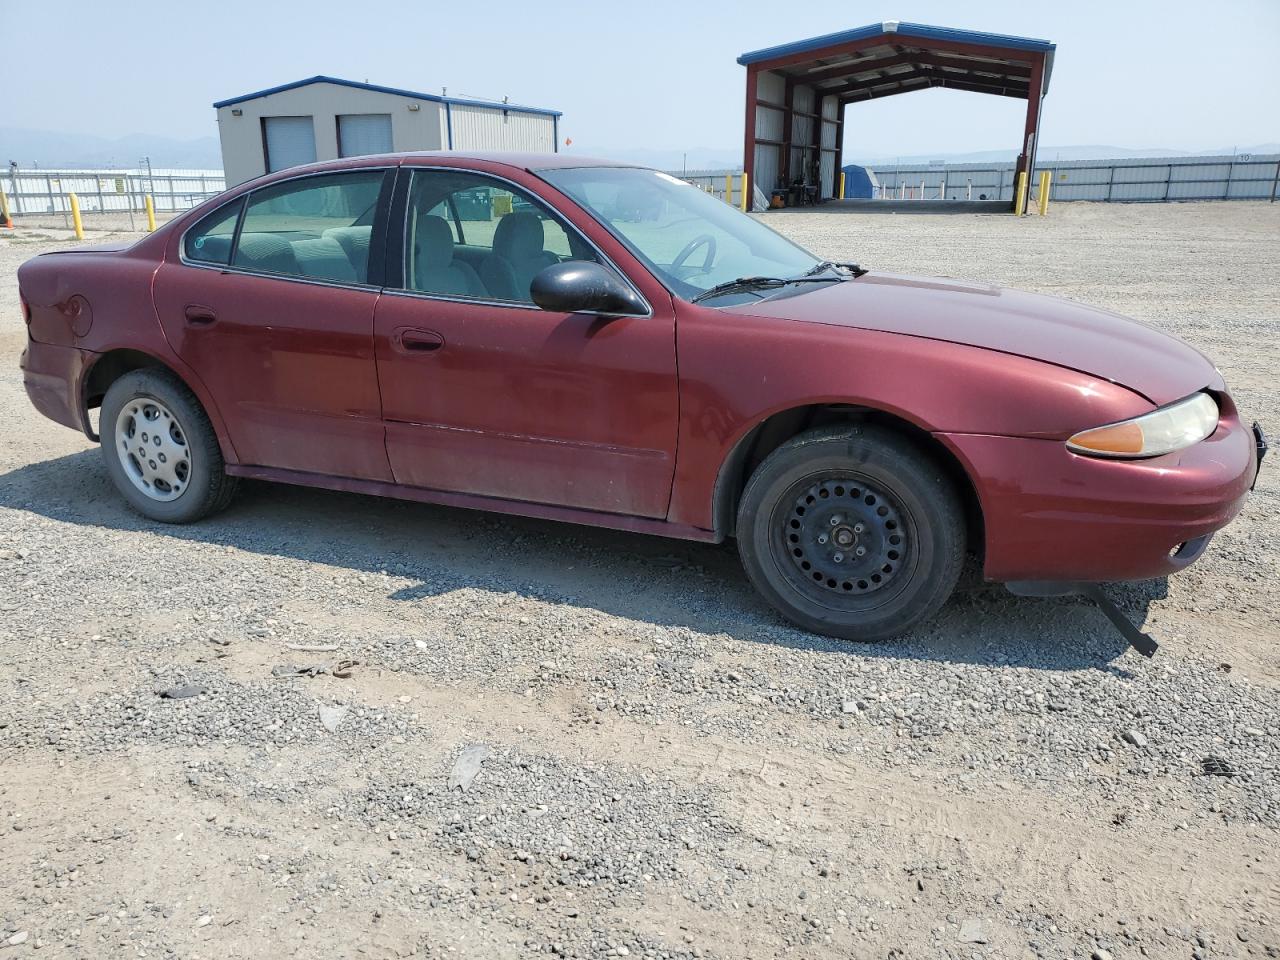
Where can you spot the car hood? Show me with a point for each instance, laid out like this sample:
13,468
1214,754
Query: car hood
1102,344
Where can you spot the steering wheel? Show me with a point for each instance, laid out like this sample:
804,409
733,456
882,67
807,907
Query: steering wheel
702,240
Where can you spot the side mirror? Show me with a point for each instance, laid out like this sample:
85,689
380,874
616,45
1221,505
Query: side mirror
584,286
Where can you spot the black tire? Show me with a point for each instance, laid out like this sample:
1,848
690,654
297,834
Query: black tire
206,488
860,486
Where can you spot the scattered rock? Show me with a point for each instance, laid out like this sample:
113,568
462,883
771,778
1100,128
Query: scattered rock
467,766
1134,737
1216,767
299,670
181,693
331,717
973,930
18,938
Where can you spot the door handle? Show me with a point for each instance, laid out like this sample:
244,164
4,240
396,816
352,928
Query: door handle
200,316
419,341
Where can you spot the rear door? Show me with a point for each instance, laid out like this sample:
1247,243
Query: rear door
272,303
484,393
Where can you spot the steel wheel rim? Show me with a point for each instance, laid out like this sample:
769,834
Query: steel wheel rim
843,540
153,449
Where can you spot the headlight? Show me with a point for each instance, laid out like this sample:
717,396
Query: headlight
1170,428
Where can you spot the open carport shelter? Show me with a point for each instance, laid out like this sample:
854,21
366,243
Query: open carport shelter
797,92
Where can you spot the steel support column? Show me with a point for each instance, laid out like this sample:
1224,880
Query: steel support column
749,134
788,131
1031,129
839,146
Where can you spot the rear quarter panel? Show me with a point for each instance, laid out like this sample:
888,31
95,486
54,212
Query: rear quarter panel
97,302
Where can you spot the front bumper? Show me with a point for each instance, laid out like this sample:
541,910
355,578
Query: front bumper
52,376
1050,514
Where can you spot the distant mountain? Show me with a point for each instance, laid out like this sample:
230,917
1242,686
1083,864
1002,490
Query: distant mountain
45,148
1075,152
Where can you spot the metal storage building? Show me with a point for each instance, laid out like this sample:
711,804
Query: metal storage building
323,118
797,92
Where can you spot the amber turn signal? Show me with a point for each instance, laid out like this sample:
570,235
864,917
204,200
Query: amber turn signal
1162,431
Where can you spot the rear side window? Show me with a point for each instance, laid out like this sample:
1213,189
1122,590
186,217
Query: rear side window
209,241
318,227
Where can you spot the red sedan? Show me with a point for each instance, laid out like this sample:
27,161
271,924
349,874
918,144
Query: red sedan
585,341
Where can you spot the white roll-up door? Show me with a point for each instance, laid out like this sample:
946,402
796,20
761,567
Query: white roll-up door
360,134
290,141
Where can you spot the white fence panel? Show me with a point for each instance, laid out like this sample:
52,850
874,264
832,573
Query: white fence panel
1242,177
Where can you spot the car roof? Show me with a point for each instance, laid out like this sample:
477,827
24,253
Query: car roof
532,162
525,161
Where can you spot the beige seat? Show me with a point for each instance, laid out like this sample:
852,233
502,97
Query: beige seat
265,251
434,268
355,243
323,258
517,257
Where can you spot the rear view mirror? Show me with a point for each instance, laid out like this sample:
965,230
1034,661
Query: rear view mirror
583,286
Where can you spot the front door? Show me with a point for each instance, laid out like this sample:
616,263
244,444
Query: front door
272,304
483,393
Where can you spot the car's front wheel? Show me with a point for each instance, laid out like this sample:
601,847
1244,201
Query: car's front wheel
852,531
160,448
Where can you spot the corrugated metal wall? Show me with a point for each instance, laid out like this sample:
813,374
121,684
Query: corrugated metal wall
830,131
771,88
1148,180
488,128
769,126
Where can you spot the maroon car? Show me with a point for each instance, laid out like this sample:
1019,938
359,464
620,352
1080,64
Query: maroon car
586,341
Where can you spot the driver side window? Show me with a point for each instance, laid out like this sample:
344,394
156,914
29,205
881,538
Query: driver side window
469,235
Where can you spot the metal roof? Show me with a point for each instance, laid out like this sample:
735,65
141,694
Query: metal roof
416,95
894,57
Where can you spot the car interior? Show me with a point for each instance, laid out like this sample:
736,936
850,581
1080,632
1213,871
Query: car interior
465,237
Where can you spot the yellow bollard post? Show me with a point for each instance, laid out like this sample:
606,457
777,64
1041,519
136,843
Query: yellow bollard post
1045,180
728,188
75,216
745,205
1020,199
151,214
841,184
4,209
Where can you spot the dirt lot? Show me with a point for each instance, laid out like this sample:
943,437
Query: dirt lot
672,772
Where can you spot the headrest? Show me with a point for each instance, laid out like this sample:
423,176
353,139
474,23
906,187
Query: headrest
519,236
434,242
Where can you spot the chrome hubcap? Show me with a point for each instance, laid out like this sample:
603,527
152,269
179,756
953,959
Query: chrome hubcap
153,449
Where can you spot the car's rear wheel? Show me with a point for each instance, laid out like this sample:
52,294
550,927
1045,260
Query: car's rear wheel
160,448
852,531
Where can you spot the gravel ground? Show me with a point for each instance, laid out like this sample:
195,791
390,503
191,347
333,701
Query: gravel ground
668,770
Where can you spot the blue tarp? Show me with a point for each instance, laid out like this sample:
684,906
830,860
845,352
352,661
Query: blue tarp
857,183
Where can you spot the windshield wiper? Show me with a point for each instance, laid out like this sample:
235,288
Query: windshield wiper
852,268
757,283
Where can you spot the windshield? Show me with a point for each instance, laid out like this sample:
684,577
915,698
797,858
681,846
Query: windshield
688,238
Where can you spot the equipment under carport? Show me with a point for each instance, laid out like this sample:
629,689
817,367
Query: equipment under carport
797,92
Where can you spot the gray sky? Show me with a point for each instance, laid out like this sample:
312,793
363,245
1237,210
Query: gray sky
1182,74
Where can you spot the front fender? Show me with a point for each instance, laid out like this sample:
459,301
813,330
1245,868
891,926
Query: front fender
738,371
